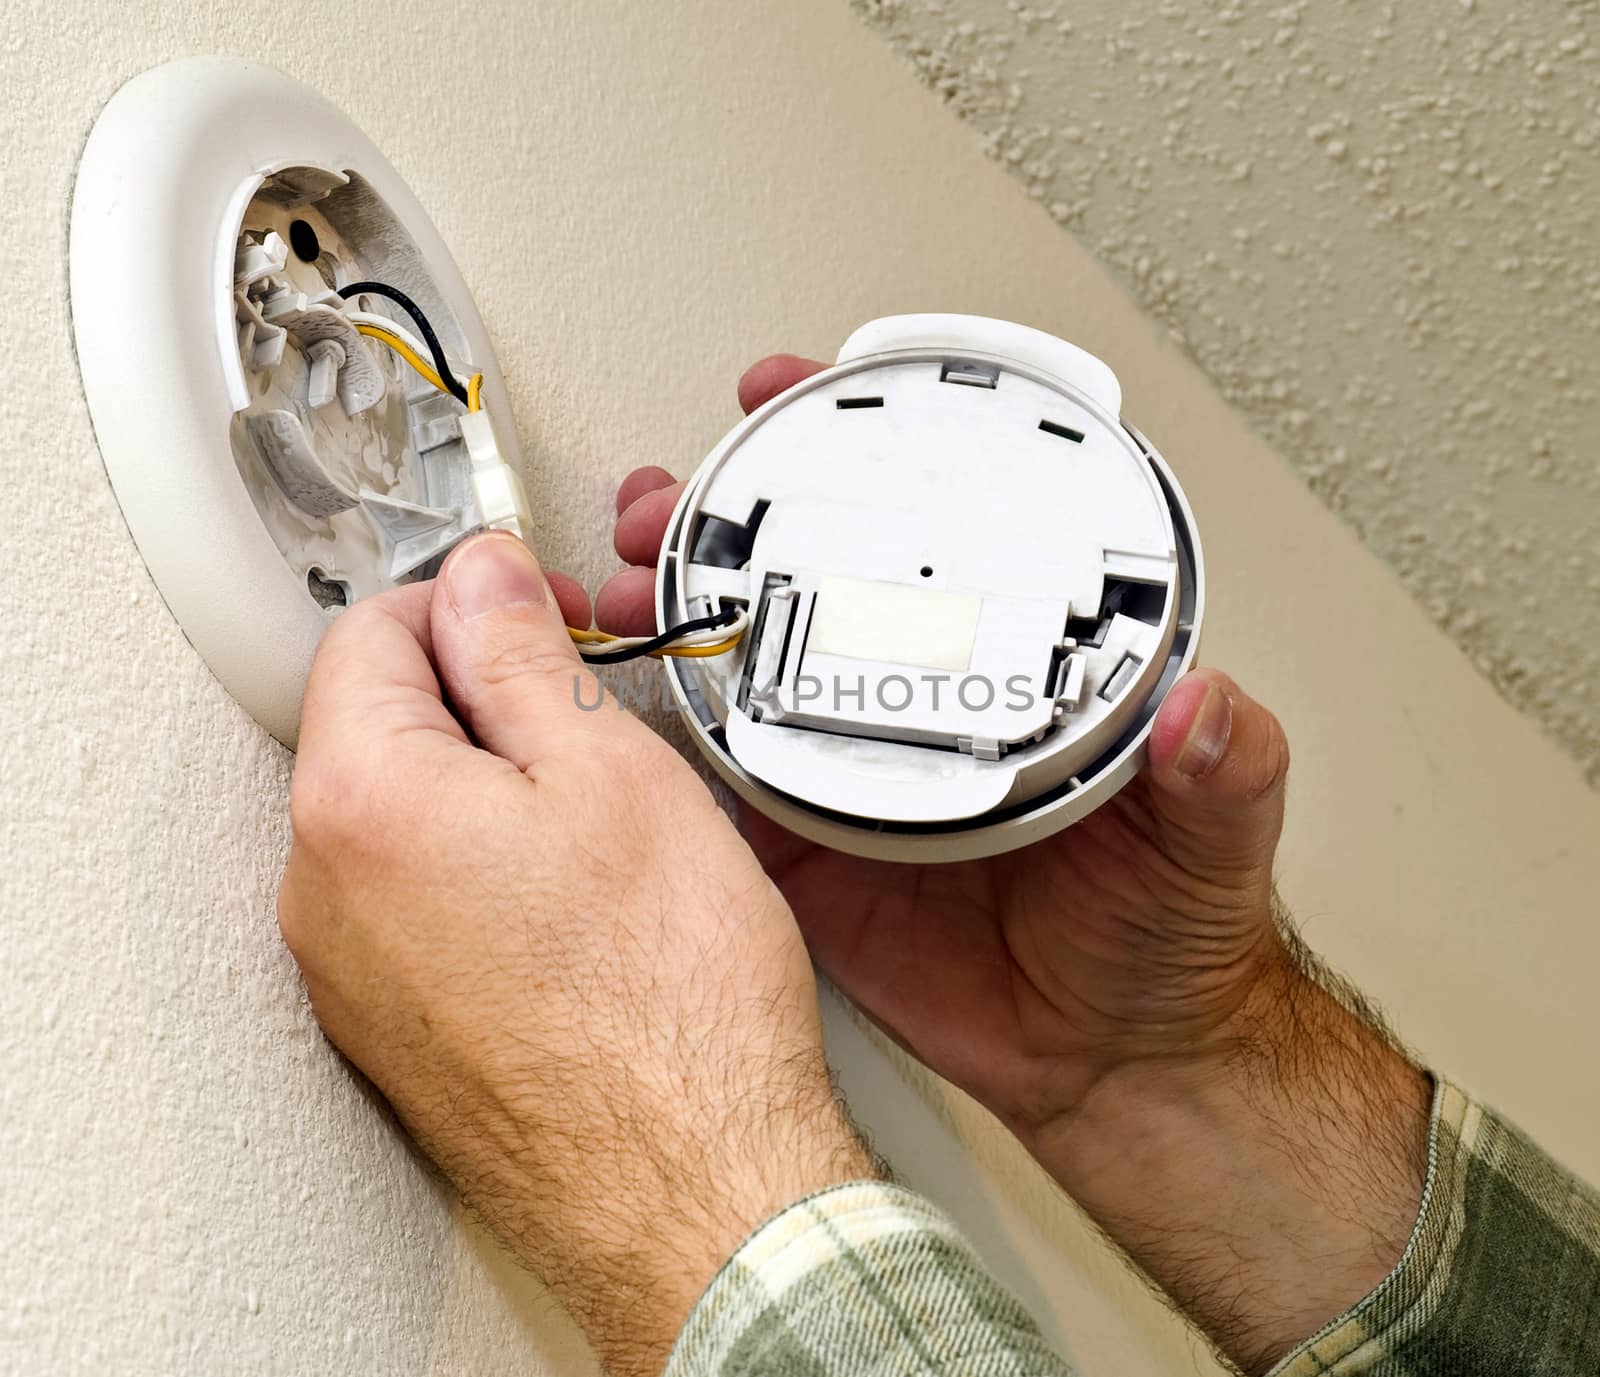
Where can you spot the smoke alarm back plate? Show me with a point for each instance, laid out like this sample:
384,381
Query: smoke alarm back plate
969,586
293,394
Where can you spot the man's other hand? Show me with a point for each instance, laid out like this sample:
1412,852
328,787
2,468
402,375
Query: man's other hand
1122,998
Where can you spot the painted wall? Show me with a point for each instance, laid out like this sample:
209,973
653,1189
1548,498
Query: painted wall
1373,225
644,197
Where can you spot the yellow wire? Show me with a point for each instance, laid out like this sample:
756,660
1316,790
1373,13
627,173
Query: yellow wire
696,652
688,652
474,403
409,354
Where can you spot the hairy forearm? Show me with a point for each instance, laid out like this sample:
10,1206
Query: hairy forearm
632,1218
1267,1184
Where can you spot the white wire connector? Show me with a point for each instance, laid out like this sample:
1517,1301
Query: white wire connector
502,503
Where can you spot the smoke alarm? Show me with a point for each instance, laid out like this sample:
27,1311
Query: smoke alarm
968,585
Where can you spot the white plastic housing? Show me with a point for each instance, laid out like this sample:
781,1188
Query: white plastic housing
970,587
257,468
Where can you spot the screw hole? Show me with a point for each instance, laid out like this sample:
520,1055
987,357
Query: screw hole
927,571
330,594
303,240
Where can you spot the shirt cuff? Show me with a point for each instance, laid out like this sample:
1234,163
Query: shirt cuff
1377,1327
866,1277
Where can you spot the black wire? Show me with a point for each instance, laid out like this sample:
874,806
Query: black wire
406,304
597,654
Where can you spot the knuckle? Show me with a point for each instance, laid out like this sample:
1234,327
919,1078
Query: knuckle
345,648
290,920
313,794
338,801
1275,765
351,627
301,902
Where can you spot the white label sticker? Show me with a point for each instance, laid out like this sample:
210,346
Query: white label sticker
899,622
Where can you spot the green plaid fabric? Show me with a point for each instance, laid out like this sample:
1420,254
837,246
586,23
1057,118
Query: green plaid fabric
867,1279
1501,1276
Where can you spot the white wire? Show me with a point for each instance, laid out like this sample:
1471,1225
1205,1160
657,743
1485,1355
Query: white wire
712,635
399,331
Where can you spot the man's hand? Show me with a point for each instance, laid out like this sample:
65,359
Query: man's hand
532,927
1120,996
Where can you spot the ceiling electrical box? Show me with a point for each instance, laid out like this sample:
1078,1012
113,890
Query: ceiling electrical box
293,394
968,587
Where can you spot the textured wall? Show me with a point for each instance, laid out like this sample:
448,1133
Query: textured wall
1373,225
644,197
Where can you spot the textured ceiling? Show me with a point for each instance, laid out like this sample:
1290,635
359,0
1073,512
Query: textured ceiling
1374,226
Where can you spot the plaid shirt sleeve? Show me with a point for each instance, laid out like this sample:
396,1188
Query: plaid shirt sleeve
1501,1276
861,1279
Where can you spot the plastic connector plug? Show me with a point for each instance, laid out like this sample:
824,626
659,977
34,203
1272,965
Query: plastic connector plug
502,502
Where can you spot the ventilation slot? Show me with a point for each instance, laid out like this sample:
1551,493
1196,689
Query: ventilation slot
1065,432
1144,602
726,544
969,374
857,403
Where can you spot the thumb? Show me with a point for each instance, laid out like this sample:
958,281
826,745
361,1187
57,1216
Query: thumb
503,653
1218,762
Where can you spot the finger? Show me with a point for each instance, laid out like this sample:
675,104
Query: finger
626,603
776,373
641,529
648,496
372,678
504,654
1218,766
571,598
639,482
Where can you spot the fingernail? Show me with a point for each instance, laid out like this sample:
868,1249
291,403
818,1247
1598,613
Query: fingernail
1208,735
493,571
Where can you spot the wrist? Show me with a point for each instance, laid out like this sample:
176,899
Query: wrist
1268,1176
652,1209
